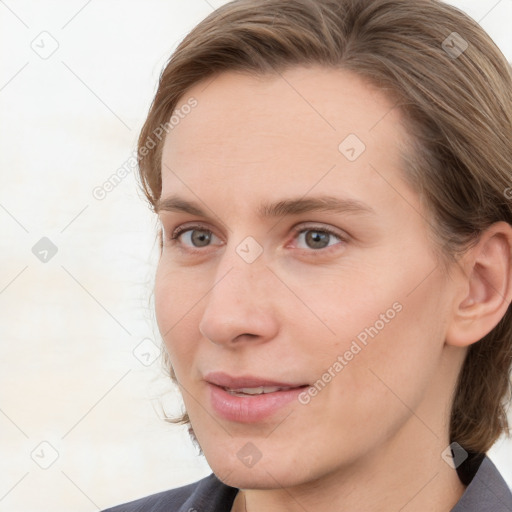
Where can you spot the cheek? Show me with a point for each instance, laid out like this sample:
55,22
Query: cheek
348,302
178,291
385,322
373,368
178,307
399,343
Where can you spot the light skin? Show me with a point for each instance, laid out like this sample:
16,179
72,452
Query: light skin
372,438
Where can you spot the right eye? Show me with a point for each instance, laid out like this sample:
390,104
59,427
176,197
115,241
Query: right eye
194,237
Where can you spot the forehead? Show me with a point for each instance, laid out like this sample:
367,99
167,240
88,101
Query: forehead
323,100
289,128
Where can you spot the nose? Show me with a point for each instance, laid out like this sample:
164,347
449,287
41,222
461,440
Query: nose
239,307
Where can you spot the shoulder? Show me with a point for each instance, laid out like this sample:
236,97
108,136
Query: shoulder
206,495
487,491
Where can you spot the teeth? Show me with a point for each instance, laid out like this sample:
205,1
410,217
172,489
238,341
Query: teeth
254,391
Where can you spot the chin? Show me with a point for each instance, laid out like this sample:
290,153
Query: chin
235,468
255,478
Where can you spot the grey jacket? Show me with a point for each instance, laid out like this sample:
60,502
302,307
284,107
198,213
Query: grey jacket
486,492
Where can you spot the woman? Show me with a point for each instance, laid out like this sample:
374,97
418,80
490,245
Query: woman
334,283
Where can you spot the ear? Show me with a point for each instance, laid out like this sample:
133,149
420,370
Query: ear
486,290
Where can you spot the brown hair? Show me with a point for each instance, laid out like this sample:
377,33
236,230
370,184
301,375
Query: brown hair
456,100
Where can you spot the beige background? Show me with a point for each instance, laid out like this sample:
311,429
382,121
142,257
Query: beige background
76,332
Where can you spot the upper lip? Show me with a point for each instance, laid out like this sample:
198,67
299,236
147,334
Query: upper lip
245,381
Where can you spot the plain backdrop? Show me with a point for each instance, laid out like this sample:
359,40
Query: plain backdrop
80,377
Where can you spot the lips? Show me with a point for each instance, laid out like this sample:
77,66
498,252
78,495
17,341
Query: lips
249,399
226,381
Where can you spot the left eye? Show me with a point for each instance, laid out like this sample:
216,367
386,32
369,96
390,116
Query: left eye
317,239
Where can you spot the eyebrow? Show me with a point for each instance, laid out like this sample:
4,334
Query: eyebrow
293,206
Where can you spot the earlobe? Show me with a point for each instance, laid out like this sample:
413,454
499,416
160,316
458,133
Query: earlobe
486,285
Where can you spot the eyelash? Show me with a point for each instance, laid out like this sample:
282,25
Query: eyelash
174,237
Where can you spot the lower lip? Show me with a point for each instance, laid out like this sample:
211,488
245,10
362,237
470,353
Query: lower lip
250,409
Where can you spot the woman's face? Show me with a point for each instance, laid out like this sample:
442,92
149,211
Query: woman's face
295,257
